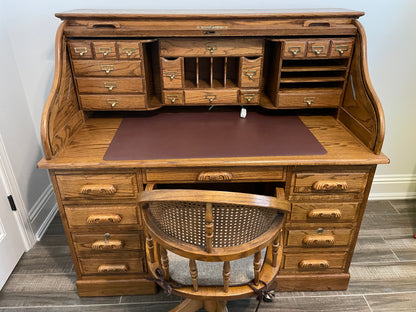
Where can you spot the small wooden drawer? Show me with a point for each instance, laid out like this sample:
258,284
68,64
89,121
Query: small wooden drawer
110,85
334,185
80,49
211,47
97,187
113,265
314,263
294,49
105,50
93,217
173,97
172,73
341,47
211,96
107,68
324,212
129,50
250,72
313,99
88,245
248,97
318,238
92,102
317,48
214,174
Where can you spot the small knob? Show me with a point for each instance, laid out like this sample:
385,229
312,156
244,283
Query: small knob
107,237
320,230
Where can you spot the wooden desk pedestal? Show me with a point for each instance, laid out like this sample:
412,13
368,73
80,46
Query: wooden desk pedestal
310,64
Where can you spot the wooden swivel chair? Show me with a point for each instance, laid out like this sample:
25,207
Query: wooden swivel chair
190,232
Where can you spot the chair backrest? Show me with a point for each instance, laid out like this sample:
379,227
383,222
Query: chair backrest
212,226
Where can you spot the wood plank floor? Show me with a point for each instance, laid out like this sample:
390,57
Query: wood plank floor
383,274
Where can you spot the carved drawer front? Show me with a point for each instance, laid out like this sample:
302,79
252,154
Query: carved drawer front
312,99
172,69
211,47
173,97
324,212
129,50
248,97
114,265
104,243
214,174
294,49
211,96
103,216
107,68
341,47
110,85
97,187
250,73
318,238
314,263
92,102
328,185
104,50
317,48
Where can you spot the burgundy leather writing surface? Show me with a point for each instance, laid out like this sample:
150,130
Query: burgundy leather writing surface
210,135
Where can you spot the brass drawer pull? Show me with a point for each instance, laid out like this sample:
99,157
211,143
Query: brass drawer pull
249,97
250,74
330,186
104,50
172,98
211,48
316,241
214,176
107,189
128,51
112,102
81,51
309,100
294,50
313,265
333,214
110,85
318,49
113,268
211,97
110,244
103,219
341,49
171,74
107,68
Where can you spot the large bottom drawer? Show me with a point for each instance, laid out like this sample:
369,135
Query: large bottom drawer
298,263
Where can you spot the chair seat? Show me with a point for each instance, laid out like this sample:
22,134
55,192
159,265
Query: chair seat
210,273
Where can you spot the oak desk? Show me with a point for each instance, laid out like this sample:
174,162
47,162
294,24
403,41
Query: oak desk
116,64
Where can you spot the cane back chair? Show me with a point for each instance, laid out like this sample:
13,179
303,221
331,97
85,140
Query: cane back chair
190,232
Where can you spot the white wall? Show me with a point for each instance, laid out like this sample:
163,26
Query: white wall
28,33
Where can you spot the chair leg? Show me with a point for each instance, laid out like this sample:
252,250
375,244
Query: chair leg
215,306
188,305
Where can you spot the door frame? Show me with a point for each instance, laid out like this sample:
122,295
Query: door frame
12,188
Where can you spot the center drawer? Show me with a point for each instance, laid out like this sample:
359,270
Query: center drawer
319,238
214,174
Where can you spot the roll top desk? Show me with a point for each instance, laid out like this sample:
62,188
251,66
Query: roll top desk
145,65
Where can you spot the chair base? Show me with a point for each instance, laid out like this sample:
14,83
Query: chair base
193,305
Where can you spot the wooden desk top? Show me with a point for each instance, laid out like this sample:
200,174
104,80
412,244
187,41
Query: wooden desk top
89,144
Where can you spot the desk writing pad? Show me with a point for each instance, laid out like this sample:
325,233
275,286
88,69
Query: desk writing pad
211,135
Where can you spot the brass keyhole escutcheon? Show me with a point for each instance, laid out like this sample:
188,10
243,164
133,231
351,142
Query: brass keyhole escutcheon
104,50
318,49
107,237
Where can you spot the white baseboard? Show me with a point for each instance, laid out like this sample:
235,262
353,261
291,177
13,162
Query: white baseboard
43,211
393,186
